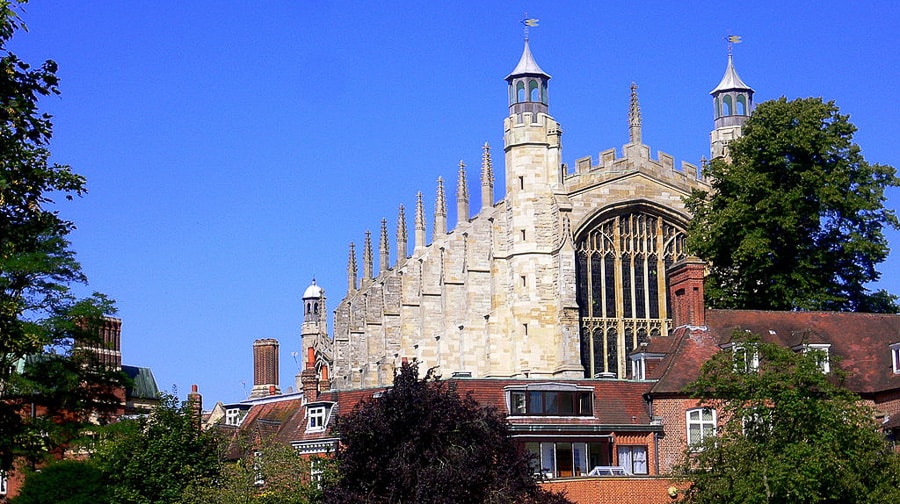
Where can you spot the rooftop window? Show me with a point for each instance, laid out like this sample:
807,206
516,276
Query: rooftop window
551,402
895,357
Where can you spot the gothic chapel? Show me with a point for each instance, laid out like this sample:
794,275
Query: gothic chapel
562,278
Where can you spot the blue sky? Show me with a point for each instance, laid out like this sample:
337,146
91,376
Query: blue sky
233,150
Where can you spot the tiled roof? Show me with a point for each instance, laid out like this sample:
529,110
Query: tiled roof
859,340
617,405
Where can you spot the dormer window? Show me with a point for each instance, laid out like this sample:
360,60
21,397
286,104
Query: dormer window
550,400
642,364
234,416
745,357
317,415
820,352
895,357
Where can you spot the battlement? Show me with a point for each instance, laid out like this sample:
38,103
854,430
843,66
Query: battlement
529,128
635,159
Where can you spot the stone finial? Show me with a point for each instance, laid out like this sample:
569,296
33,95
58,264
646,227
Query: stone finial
401,235
367,257
634,117
487,177
351,269
420,221
462,195
440,211
384,253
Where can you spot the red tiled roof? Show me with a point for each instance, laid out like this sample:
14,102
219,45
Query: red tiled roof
617,405
859,340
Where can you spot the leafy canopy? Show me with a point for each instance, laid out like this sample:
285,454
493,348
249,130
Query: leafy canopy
796,219
269,472
152,459
788,433
39,313
422,442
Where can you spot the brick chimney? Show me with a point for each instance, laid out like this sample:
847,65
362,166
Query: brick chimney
195,400
309,379
686,292
106,346
265,368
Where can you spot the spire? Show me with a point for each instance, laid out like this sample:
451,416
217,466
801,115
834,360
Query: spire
420,221
367,257
462,195
634,117
401,235
731,81
487,177
527,65
384,254
351,269
440,212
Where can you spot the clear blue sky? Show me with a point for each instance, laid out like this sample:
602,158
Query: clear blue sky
233,150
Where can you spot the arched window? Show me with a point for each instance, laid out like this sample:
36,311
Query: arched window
520,92
533,91
718,107
726,106
741,108
622,287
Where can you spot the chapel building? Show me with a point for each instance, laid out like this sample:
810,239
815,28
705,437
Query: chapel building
562,278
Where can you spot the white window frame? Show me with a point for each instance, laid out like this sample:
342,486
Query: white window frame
317,417
746,357
706,427
895,357
234,416
4,483
638,367
633,458
824,359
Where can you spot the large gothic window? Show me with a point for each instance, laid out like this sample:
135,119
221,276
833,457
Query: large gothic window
622,285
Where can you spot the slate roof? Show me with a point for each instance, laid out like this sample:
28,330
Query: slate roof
859,340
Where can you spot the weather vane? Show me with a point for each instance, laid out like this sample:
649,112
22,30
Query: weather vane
732,39
529,23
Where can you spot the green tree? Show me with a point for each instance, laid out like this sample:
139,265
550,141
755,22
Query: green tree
796,219
39,312
152,459
422,442
268,473
788,433
65,482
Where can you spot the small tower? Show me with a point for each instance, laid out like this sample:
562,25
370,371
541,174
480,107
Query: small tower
528,86
732,104
314,330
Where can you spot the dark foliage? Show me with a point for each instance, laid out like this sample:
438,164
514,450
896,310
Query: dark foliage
422,442
796,219
66,482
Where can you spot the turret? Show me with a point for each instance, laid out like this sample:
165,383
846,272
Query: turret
732,104
528,86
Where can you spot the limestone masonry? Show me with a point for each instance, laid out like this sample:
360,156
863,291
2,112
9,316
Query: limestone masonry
561,278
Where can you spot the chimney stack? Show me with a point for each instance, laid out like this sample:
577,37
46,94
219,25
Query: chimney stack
265,368
686,292
195,400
